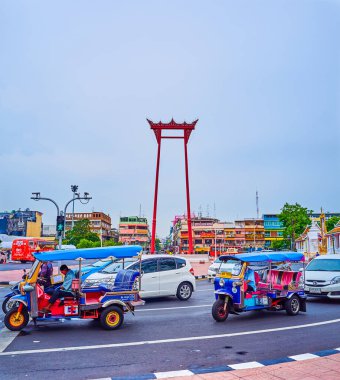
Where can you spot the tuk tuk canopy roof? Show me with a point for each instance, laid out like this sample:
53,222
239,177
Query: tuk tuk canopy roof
263,257
119,252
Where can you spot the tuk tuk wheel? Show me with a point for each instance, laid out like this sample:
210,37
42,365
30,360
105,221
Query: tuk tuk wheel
292,305
112,318
16,320
220,311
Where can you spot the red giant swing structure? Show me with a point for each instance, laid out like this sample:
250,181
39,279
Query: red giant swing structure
187,129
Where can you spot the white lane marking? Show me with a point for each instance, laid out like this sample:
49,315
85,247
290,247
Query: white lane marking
205,290
337,349
304,357
161,341
164,375
173,308
6,338
246,365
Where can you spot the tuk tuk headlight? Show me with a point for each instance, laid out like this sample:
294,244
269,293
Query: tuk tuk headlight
221,282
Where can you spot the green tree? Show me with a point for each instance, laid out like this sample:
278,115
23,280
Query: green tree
277,245
295,218
110,243
157,244
81,230
331,222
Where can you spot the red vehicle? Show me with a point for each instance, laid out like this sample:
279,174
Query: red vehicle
22,249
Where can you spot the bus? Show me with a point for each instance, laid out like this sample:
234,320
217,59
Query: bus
22,249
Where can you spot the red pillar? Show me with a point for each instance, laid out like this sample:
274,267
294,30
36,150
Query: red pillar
188,195
153,233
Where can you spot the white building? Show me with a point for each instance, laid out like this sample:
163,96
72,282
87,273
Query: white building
333,239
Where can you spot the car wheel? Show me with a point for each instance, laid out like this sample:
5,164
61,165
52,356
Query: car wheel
16,320
184,291
111,318
292,305
220,311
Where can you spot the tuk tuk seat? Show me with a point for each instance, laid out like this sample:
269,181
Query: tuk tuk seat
280,280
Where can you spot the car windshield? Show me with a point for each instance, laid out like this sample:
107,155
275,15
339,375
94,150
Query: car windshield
98,264
116,266
327,265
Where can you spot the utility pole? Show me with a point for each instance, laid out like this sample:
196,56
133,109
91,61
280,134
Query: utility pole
60,227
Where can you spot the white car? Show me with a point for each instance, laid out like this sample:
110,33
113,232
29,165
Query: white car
215,268
162,275
322,276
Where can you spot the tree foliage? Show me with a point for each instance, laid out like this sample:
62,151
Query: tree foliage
81,230
157,244
295,218
331,222
110,243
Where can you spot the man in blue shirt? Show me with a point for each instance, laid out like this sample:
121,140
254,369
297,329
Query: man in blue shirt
64,291
249,277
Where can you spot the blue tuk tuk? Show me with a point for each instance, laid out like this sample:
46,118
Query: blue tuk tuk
107,302
259,281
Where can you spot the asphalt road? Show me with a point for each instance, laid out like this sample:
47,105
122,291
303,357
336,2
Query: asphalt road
153,336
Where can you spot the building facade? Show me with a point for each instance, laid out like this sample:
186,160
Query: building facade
100,223
273,229
210,235
134,230
333,239
21,223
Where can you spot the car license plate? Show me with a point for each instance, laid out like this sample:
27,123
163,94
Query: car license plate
315,290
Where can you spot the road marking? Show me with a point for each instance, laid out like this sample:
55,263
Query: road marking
246,365
164,375
303,357
163,341
205,290
174,308
7,338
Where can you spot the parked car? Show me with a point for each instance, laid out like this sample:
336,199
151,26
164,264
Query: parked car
322,277
216,266
162,275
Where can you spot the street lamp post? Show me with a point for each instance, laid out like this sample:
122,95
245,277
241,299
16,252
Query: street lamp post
74,189
62,215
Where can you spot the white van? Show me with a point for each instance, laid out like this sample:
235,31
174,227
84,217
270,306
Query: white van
323,277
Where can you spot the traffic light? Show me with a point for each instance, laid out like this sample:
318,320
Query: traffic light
60,224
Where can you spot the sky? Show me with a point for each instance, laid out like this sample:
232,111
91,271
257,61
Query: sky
78,80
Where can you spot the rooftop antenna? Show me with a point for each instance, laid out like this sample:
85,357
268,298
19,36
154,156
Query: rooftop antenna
214,210
200,211
140,210
208,211
257,205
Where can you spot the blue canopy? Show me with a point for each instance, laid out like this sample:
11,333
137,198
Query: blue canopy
120,252
268,256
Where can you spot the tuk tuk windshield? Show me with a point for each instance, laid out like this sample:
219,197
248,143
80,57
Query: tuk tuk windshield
33,268
232,266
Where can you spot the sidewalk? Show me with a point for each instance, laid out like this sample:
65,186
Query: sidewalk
303,367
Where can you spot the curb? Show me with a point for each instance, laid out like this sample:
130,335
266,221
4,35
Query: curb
227,368
8,282
201,277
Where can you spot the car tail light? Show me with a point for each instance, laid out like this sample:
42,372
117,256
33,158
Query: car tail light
192,271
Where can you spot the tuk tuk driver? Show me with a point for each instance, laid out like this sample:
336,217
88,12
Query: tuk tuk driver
64,291
249,278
